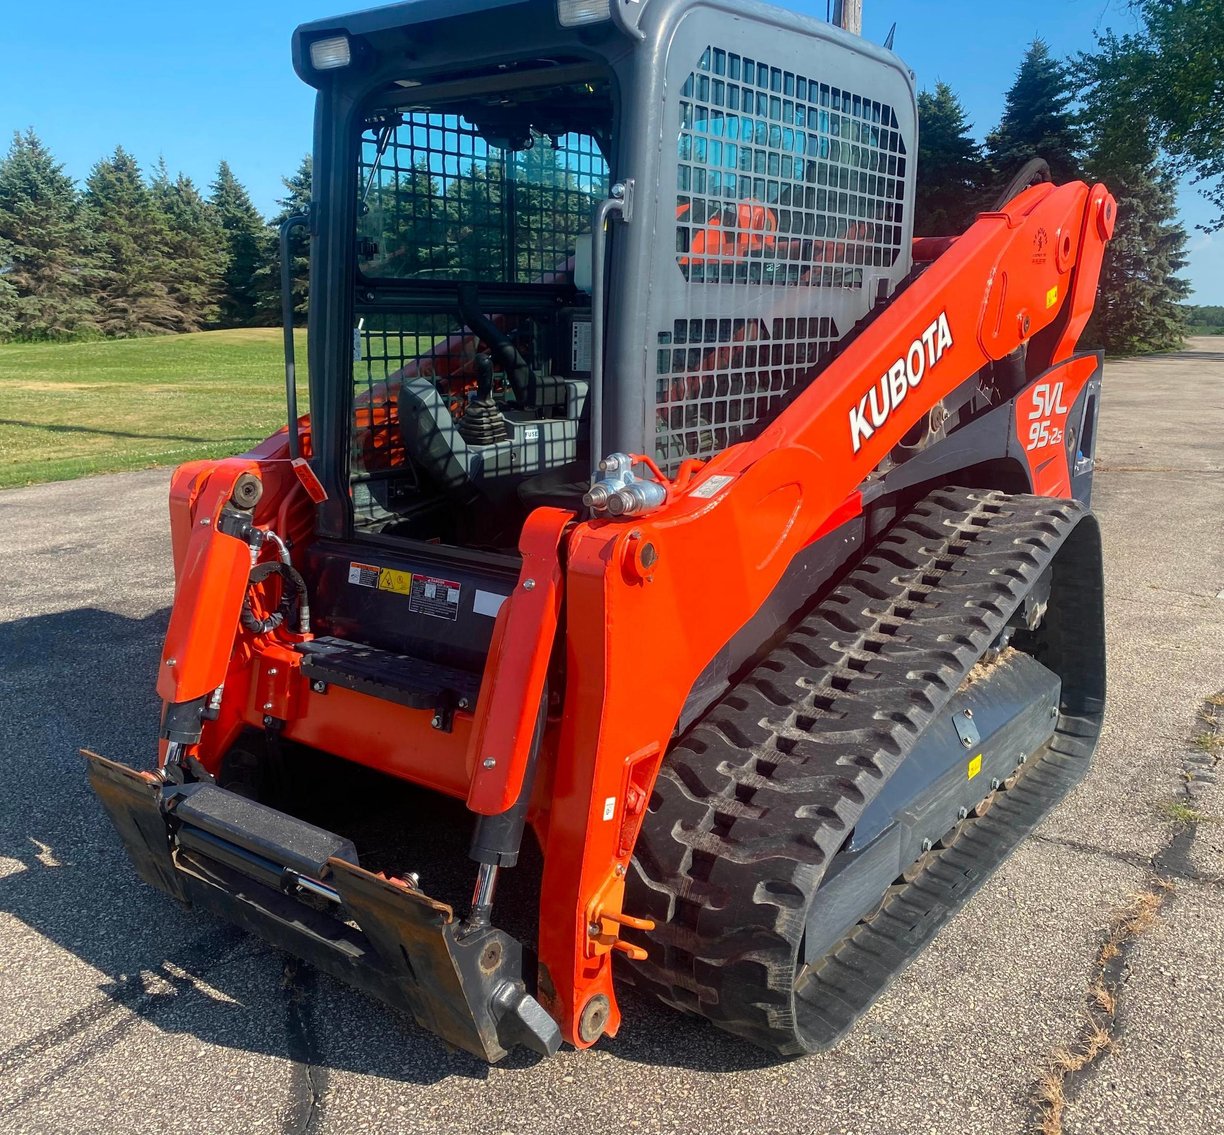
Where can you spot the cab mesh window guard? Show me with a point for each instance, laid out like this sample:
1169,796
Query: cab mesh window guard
444,203
443,206
785,186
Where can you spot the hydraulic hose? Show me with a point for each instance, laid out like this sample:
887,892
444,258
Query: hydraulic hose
294,587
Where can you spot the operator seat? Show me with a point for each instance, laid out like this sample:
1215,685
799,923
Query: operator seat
433,442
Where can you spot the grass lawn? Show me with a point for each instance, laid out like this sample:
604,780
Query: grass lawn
67,409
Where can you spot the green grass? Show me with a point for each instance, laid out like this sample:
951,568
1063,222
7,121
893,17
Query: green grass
69,409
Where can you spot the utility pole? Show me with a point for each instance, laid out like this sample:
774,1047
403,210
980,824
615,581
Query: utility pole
848,14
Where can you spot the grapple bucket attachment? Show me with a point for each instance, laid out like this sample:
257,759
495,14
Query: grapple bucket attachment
246,863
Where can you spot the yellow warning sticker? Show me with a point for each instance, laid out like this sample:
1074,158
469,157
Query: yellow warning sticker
1052,296
391,579
975,766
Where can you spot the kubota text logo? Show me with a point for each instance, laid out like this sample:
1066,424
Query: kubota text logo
895,383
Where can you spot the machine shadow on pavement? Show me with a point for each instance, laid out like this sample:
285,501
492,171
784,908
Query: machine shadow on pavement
63,874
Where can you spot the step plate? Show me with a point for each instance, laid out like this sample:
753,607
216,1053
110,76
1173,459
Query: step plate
398,678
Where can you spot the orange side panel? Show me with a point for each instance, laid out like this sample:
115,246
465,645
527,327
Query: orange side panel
517,668
381,735
1041,424
208,596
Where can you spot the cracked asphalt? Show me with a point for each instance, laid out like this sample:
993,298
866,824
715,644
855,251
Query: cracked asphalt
120,1012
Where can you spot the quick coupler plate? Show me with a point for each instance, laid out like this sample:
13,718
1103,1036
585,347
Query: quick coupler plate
243,861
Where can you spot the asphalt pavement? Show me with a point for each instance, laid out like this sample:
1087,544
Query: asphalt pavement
121,1013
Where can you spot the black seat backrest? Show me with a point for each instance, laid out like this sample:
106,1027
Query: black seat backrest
434,443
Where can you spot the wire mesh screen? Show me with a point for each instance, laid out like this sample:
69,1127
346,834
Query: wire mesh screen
445,206
443,202
784,184
719,376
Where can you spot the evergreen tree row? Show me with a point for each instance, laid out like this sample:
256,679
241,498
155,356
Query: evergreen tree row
1082,119
134,255
131,255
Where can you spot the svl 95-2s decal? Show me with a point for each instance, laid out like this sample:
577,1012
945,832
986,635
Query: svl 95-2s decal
1047,403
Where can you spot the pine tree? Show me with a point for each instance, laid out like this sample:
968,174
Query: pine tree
245,249
195,248
295,202
9,310
48,266
952,173
1139,307
135,238
1037,120
552,210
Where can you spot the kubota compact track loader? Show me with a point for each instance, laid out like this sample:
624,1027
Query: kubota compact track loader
719,545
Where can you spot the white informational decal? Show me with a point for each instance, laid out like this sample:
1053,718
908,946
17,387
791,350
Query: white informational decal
609,807
487,603
894,384
711,487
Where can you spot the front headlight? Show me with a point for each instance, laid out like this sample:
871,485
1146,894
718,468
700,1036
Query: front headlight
574,13
331,53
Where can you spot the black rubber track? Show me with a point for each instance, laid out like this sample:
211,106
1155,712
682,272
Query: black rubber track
756,800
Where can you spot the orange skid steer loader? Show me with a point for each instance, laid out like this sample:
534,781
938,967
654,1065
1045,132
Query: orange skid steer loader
718,547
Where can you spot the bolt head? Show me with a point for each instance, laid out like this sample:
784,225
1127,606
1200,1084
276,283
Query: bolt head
996,784
966,742
318,686
968,713
593,929
267,705
436,721
962,813
489,762
620,870
206,522
529,585
927,845
268,720
272,670
464,703
171,661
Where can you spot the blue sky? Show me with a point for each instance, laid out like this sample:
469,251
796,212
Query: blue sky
197,82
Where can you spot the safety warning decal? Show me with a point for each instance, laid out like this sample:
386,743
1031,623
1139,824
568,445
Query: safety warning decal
436,597
382,578
363,575
391,579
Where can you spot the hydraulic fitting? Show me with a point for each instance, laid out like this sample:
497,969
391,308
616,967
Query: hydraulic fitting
619,491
